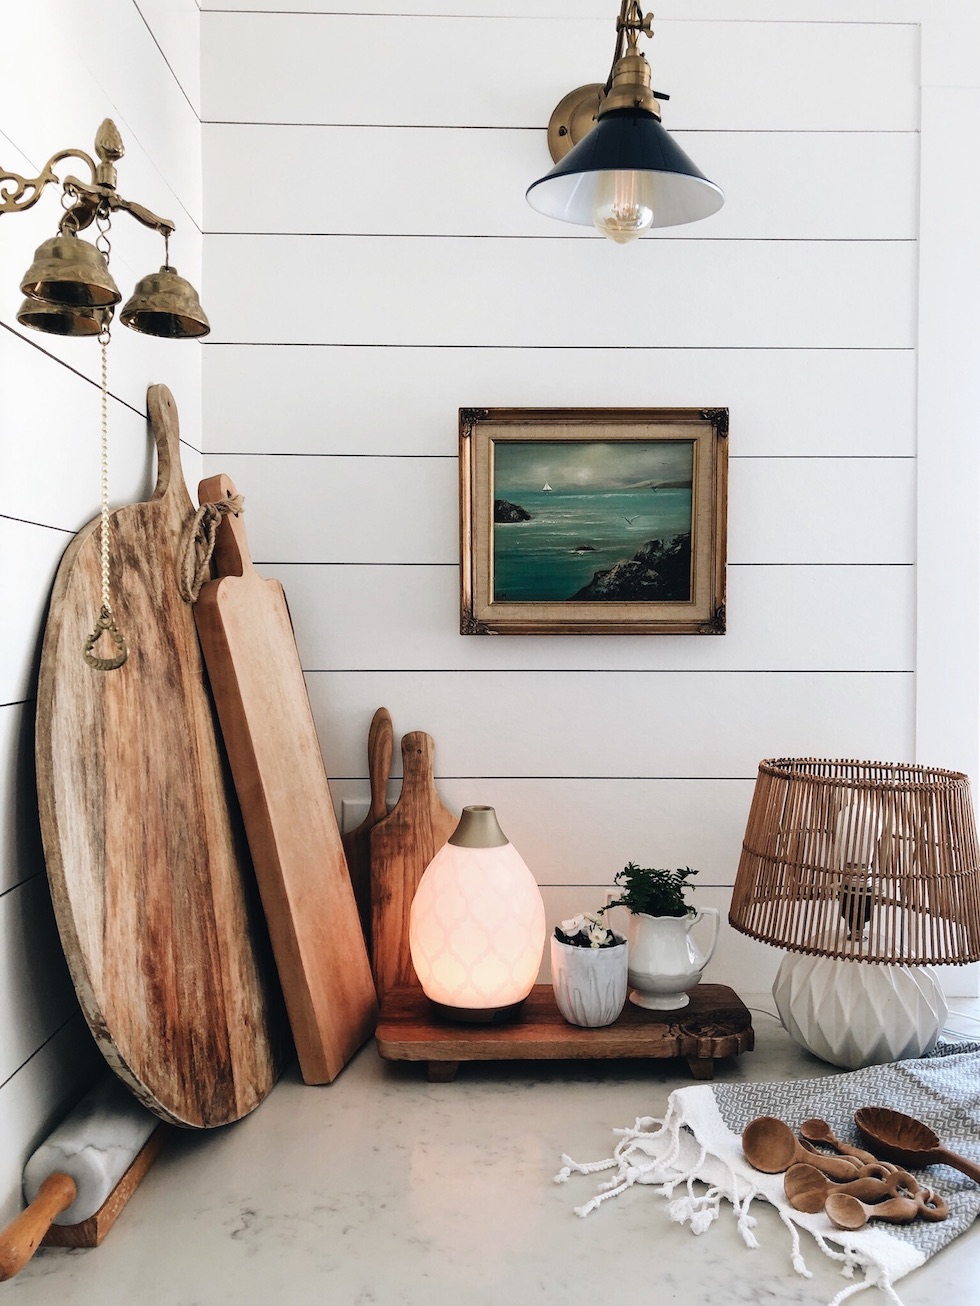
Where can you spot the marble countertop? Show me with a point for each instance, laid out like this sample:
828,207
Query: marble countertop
384,1189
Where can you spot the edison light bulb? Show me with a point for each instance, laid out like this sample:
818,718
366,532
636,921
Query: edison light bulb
623,205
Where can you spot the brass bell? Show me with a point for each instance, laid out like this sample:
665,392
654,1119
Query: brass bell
164,304
62,319
70,271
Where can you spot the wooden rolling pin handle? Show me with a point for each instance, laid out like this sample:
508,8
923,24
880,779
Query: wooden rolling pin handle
20,1240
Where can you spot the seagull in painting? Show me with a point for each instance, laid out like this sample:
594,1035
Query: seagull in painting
630,520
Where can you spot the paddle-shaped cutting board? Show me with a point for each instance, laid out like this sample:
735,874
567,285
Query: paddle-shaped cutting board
150,876
268,728
402,845
357,842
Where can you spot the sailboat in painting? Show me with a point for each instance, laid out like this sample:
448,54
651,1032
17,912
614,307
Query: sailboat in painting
546,486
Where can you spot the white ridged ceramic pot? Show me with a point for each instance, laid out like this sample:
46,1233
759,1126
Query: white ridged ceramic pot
589,983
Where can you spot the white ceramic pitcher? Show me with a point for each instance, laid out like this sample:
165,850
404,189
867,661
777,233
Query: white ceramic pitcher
664,960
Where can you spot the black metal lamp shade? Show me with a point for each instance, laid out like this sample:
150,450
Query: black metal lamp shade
626,140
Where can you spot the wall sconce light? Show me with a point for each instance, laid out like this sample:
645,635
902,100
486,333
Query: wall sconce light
869,874
616,168
477,923
69,289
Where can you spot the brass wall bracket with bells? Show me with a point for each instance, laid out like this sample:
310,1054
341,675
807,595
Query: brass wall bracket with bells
69,291
616,168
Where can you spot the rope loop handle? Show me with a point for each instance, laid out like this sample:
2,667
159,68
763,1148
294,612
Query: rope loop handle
198,544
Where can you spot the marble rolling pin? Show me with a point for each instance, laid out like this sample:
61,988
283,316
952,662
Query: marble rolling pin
88,1160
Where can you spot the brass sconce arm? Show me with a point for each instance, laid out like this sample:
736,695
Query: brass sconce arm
90,199
98,193
14,201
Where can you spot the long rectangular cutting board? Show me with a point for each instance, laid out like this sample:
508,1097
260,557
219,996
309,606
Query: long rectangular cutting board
264,709
150,876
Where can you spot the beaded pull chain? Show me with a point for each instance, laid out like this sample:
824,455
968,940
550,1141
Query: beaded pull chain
106,623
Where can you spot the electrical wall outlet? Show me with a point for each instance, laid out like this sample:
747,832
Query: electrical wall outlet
353,812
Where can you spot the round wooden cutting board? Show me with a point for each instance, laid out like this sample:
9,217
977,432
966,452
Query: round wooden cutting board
150,876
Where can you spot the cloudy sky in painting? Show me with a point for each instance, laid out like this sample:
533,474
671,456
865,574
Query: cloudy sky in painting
593,464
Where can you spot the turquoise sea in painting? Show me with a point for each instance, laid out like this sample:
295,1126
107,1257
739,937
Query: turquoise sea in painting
578,529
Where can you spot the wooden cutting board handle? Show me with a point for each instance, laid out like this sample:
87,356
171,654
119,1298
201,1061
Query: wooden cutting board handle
381,744
232,556
357,842
165,426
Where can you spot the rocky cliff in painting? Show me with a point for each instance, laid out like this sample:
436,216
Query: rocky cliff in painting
509,512
659,573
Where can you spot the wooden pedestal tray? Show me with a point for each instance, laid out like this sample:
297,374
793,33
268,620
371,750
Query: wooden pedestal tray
716,1023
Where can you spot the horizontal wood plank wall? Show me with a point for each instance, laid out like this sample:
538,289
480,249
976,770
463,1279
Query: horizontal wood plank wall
400,275
139,66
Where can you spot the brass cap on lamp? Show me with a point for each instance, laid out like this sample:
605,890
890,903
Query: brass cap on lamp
70,271
165,304
478,828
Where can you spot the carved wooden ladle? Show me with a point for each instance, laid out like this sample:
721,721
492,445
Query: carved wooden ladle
848,1212
807,1189
907,1140
771,1146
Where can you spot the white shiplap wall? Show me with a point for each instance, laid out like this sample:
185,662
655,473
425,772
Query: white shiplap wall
394,273
824,305
137,63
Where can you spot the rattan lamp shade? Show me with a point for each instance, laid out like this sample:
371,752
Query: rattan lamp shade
861,860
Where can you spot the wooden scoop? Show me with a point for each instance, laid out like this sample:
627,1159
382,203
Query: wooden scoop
907,1140
816,1130
771,1146
807,1189
848,1212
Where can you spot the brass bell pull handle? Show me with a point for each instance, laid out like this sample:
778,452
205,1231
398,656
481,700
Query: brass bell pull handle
106,625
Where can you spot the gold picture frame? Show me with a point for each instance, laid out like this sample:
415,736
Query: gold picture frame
630,539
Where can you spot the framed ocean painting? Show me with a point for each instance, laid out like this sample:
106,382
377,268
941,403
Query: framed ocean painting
593,520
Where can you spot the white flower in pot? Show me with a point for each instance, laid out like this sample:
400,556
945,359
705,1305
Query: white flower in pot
588,970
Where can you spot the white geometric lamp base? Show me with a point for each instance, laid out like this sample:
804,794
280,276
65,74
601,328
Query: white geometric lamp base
854,1013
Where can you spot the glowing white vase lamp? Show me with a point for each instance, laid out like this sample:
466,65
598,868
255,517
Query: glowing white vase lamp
477,925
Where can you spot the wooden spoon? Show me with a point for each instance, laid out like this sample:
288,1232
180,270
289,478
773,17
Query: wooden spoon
807,1189
876,1169
848,1212
819,1131
771,1146
907,1140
